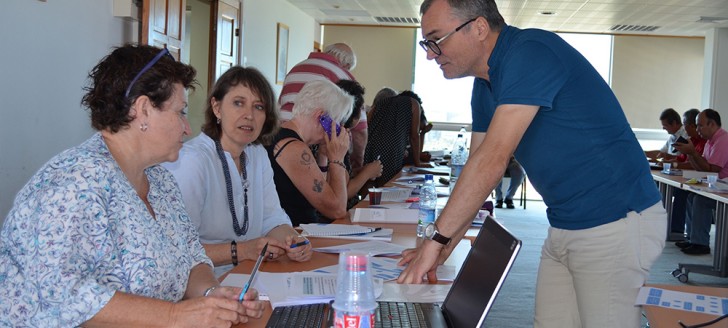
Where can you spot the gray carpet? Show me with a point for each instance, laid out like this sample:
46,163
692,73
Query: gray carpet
515,304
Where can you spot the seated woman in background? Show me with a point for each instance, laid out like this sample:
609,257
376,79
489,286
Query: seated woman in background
226,178
302,188
99,236
424,127
357,180
394,123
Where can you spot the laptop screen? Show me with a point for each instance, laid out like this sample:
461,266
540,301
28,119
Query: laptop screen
481,276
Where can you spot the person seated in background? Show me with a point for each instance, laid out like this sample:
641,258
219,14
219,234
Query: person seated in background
515,171
303,189
357,179
393,124
335,63
689,124
714,158
424,127
671,123
99,236
680,197
226,177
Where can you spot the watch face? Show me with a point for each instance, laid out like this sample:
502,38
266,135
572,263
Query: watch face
429,230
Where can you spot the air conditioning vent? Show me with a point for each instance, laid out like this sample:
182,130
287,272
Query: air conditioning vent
633,28
398,20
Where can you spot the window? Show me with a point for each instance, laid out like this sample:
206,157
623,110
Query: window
448,101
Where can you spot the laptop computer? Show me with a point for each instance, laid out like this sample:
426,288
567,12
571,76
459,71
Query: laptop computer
471,296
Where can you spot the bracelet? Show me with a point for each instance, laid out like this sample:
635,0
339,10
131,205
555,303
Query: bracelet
209,291
338,163
324,168
234,252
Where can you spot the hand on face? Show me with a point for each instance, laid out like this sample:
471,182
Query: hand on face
336,146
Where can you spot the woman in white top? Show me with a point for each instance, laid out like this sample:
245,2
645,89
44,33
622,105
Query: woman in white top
233,202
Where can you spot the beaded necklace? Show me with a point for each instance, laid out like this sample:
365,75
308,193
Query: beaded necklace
228,183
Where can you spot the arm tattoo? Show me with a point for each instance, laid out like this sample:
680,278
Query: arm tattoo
318,186
306,158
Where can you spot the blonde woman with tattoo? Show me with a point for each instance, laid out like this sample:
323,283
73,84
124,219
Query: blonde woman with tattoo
309,192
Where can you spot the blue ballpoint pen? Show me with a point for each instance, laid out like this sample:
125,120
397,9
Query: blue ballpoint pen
252,274
303,243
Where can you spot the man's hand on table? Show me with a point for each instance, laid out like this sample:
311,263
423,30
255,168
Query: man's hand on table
422,263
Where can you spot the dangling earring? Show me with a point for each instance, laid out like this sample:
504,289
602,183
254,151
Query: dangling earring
144,127
218,121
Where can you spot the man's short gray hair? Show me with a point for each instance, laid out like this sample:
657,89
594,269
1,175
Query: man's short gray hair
322,94
469,9
343,53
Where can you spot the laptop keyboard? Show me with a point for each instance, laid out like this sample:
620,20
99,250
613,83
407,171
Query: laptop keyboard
399,314
303,316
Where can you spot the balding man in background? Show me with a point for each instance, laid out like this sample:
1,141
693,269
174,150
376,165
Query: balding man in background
334,64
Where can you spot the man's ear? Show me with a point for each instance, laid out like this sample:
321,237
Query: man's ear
482,27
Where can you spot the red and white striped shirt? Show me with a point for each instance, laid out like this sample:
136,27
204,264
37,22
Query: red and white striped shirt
318,66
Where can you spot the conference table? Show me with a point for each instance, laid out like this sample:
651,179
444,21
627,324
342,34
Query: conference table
404,234
667,184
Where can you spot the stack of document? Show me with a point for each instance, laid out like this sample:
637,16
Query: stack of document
372,247
283,289
346,231
386,214
394,194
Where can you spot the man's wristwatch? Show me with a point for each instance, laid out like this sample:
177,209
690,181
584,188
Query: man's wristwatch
431,233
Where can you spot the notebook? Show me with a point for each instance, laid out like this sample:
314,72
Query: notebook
474,290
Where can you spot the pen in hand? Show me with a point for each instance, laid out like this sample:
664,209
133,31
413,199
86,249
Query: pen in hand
252,274
299,244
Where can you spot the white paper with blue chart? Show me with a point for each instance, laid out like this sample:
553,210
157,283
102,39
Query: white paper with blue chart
682,301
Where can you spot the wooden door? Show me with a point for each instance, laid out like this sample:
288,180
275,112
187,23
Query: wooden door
163,24
224,37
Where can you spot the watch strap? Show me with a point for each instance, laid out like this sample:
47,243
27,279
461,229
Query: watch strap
440,238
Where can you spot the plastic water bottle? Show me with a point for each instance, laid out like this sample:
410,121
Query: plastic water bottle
354,303
428,202
458,157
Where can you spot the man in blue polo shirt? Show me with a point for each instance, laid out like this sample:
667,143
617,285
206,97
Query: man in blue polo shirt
542,101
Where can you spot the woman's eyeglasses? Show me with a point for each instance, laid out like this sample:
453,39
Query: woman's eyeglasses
147,67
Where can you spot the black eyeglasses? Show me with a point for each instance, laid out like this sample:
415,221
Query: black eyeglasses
147,67
434,45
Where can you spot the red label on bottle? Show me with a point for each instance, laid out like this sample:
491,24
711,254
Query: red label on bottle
354,320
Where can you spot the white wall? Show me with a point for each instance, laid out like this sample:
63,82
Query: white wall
260,18
385,55
47,50
650,74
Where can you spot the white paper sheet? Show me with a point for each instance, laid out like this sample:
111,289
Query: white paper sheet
682,301
373,248
422,293
386,269
385,215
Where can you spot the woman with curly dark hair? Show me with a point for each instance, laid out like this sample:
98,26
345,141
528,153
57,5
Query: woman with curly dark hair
99,236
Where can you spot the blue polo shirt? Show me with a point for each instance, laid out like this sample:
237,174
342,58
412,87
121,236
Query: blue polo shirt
579,152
